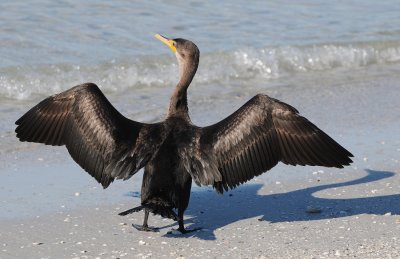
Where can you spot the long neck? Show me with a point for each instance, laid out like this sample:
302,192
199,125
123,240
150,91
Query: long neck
178,105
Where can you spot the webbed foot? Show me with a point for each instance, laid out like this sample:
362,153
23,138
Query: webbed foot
145,228
182,231
185,230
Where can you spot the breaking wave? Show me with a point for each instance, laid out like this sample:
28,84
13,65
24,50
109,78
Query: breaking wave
26,82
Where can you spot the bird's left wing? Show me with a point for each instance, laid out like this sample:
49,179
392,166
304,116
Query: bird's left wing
100,139
256,137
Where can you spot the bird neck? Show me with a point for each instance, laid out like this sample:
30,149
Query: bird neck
178,105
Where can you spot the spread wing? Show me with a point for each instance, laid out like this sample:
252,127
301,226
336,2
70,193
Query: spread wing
101,140
256,137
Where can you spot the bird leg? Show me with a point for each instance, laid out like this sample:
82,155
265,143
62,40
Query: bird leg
145,226
173,215
182,228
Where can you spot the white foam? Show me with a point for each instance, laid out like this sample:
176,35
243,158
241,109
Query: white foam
158,72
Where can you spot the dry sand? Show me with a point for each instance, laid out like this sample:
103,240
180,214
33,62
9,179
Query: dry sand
359,217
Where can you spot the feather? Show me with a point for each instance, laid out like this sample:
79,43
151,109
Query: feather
92,130
263,132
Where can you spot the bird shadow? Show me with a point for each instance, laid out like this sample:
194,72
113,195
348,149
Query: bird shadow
212,211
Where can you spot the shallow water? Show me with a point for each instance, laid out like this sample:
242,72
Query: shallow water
93,31
50,46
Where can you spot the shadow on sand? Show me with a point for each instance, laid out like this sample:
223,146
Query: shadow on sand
212,211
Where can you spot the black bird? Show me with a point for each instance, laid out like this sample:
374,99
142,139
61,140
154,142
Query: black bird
174,152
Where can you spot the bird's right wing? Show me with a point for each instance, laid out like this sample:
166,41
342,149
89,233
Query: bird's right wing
100,139
256,137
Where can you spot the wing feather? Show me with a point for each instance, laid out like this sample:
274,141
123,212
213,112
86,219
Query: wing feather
101,140
261,133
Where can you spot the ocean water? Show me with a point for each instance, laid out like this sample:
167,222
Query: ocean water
50,46
303,51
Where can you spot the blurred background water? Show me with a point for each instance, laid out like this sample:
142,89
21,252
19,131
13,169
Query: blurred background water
48,46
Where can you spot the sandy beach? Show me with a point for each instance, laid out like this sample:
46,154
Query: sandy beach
359,218
289,212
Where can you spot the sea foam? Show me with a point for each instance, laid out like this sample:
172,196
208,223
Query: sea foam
26,82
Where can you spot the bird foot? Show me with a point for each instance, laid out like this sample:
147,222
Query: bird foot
145,228
182,231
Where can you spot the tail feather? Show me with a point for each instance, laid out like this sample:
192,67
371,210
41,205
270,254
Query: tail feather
163,211
130,211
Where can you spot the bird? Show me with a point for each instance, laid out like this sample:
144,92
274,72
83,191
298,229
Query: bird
174,152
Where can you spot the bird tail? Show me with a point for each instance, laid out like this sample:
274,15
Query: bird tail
130,211
155,208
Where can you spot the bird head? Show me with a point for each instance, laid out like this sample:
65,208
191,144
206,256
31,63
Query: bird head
186,51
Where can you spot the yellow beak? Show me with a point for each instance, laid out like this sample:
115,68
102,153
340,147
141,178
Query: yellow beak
166,41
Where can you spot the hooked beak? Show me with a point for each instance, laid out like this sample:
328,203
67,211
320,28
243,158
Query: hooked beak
170,43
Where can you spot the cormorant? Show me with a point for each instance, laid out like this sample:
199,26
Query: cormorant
174,152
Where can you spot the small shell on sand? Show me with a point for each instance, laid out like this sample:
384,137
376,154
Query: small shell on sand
312,209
